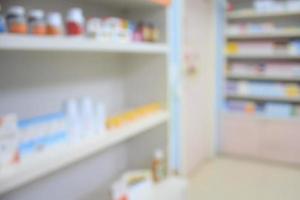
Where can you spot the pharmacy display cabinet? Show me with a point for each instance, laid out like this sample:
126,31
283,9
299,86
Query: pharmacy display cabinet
261,74
39,74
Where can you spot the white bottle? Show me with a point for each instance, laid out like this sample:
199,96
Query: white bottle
87,116
100,118
74,125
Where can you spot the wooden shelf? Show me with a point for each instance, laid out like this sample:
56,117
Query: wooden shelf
48,162
252,14
261,56
278,35
33,43
263,78
263,98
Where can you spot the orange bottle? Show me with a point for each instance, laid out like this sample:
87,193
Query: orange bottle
158,166
36,22
16,20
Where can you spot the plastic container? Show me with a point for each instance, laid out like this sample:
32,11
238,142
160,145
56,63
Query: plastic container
93,27
2,24
16,20
87,114
158,166
74,125
100,118
54,24
293,5
75,22
36,22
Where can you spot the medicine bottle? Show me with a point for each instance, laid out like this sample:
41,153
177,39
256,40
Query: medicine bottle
158,166
2,24
16,20
54,24
36,22
75,22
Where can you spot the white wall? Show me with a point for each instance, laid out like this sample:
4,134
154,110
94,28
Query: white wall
199,87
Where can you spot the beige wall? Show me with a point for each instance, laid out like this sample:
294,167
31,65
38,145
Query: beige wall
199,86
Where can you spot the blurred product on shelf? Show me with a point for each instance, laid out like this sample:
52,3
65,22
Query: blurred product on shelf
292,90
88,115
135,185
260,28
131,116
269,6
36,22
294,47
243,106
81,119
2,24
268,109
276,6
8,142
278,110
100,120
266,69
263,47
84,118
54,24
93,27
159,170
71,109
75,22
115,30
293,5
16,20
105,29
264,89
42,134
230,6
296,110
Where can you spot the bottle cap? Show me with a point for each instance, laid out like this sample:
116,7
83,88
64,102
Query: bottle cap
36,14
158,154
75,14
54,18
16,10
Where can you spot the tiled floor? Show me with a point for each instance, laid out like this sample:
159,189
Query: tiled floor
233,179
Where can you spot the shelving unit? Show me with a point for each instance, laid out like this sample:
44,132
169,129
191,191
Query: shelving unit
252,14
252,132
63,156
264,98
39,73
263,78
31,43
264,57
274,35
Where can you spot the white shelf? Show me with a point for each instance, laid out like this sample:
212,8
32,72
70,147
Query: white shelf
261,56
263,78
129,3
33,43
263,98
275,35
252,14
51,161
